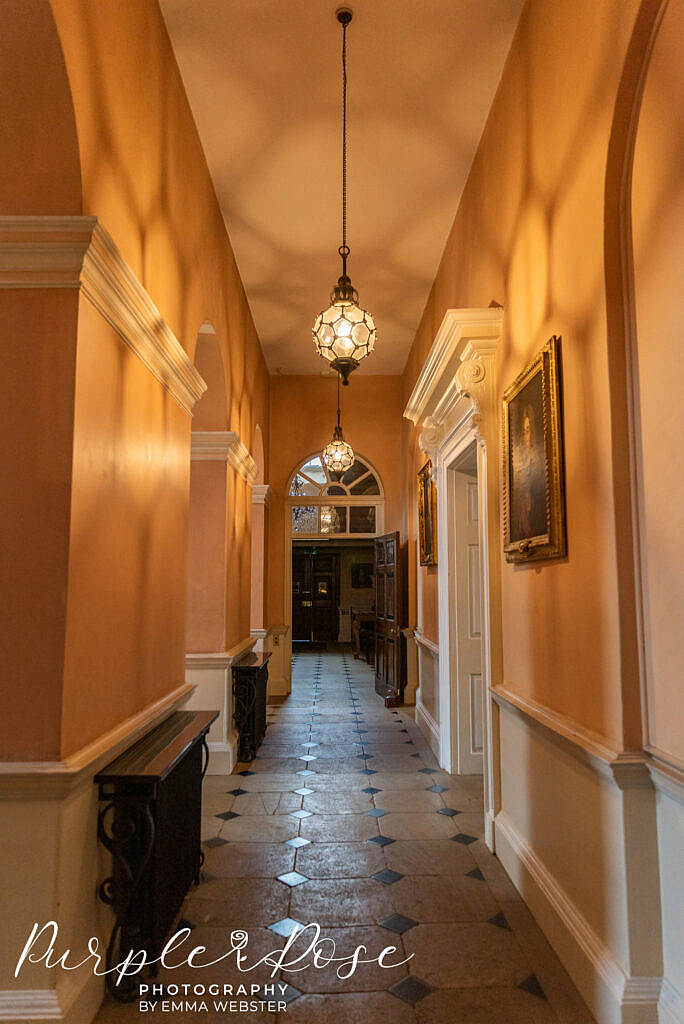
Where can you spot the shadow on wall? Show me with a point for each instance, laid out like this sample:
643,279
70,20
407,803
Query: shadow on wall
205,623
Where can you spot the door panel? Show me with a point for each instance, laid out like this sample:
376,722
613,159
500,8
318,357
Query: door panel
468,668
315,596
390,585
302,597
379,595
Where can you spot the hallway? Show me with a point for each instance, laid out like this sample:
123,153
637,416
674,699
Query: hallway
344,819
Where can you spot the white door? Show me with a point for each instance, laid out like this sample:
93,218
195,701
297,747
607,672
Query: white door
467,642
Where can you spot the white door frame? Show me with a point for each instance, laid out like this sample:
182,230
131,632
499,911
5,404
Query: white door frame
378,500
451,458
455,402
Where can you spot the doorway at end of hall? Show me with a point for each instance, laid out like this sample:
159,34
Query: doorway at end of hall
332,591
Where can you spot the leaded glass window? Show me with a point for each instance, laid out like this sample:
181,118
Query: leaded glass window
312,487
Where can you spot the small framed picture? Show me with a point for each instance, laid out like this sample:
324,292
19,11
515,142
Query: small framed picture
534,492
427,516
322,589
361,575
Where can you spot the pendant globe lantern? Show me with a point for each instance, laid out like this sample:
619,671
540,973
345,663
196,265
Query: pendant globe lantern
344,333
338,455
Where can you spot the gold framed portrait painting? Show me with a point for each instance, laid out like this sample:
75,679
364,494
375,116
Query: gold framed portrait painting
427,516
534,491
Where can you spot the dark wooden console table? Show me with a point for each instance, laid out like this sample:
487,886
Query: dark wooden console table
250,679
363,635
150,822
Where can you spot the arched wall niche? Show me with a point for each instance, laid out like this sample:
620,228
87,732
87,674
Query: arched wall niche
657,207
622,362
211,411
258,455
41,171
644,259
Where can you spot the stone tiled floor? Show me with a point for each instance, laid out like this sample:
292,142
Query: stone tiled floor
344,819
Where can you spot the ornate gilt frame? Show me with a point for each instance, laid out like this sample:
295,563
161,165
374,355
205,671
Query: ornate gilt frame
428,552
552,543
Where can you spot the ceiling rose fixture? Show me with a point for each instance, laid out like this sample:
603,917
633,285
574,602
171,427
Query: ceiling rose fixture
344,334
338,455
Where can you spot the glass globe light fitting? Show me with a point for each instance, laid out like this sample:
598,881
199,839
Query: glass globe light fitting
344,333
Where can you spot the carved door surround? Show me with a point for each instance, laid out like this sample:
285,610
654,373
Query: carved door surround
454,403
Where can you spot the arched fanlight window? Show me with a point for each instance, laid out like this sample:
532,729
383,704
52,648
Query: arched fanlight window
323,505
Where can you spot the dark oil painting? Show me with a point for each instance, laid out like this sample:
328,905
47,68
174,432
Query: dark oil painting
528,482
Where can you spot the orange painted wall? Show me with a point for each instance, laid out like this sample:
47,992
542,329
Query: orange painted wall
205,621
41,171
126,591
529,234
303,414
140,169
38,332
658,215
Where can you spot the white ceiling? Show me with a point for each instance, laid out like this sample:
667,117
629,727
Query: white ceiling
264,83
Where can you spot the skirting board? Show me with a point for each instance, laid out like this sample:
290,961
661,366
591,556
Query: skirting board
671,1005
222,757
429,728
77,1005
612,997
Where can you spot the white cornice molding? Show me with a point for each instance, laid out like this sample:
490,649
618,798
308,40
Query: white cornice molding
78,252
428,441
262,494
41,780
466,337
223,446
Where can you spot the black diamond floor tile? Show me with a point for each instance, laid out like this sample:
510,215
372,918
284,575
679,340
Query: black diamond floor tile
398,923
411,989
500,921
532,986
388,877
381,840
464,839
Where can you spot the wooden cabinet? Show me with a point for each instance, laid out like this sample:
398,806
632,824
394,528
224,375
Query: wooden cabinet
250,683
150,821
